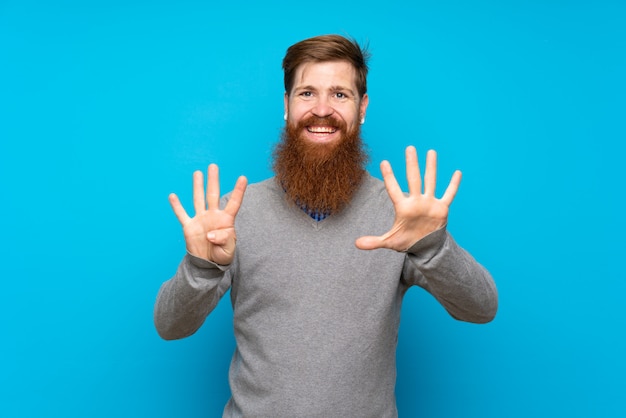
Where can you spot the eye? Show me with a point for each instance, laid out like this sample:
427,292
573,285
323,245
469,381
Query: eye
341,95
306,93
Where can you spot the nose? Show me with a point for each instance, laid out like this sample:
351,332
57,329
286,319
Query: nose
322,107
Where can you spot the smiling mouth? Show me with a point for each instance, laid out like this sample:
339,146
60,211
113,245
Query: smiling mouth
321,129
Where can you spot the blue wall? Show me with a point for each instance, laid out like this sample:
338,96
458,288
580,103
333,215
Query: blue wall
108,107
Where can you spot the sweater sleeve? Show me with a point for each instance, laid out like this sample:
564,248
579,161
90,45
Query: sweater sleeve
464,287
184,301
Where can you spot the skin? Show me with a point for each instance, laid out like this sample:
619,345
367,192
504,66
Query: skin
321,89
419,213
325,89
210,234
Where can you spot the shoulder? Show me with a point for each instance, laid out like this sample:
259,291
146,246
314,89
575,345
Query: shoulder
258,189
373,191
262,190
371,200
259,195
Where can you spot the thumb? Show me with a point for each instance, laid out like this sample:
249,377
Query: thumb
369,242
219,237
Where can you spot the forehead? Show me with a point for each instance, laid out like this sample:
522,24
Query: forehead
327,73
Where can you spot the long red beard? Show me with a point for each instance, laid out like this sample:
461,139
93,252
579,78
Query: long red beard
318,176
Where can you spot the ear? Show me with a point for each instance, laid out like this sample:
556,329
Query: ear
363,106
286,104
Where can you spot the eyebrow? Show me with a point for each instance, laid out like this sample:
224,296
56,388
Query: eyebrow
332,88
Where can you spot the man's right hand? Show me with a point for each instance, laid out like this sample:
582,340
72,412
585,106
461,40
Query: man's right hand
210,234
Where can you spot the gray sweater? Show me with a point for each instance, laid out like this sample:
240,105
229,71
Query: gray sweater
316,319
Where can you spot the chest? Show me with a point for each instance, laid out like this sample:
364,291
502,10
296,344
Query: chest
298,270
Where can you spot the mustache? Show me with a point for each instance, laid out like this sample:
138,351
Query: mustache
322,121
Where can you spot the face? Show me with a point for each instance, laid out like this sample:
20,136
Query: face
325,101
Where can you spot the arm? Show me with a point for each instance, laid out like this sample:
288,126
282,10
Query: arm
435,261
185,300
448,272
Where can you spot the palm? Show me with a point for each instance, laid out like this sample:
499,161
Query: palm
196,232
417,213
210,234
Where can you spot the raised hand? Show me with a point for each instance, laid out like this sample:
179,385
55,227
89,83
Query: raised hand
417,214
210,234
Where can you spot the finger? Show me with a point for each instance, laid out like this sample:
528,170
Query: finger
430,175
452,188
220,237
234,203
391,184
213,188
179,211
413,176
369,243
198,192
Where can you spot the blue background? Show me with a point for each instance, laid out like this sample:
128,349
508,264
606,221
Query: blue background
107,107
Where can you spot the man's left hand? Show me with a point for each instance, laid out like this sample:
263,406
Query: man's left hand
417,214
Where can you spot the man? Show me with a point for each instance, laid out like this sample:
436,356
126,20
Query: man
319,257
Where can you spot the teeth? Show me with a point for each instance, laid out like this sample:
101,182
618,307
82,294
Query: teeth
321,129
